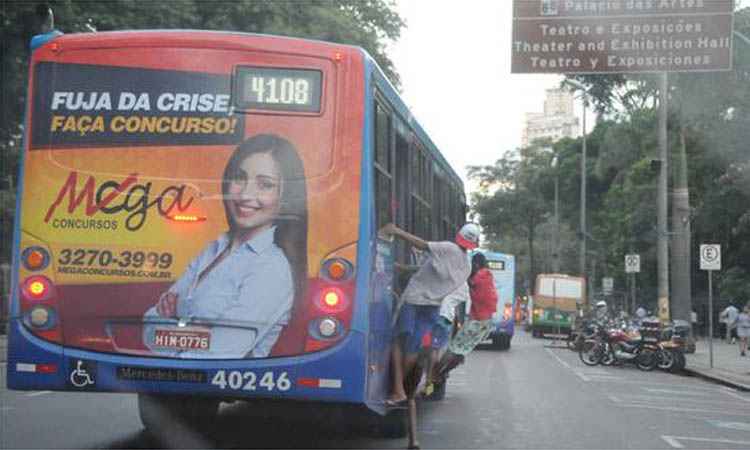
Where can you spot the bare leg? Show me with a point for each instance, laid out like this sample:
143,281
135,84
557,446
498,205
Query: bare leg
413,372
431,363
413,439
397,371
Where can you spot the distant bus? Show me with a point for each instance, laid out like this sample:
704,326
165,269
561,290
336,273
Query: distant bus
555,302
197,221
503,268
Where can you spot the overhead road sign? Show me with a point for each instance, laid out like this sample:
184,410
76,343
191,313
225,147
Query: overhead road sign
620,36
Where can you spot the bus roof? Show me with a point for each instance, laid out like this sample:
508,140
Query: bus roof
262,42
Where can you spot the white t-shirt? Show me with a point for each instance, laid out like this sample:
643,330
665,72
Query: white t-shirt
730,315
448,307
445,268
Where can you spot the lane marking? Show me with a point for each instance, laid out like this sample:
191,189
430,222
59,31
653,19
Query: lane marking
668,408
672,440
565,364
37,394
741,426
732,393
673,391
657,399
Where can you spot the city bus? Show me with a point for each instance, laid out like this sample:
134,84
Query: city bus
555,304
503,268
197,221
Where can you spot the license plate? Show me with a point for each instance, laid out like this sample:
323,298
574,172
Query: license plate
188,339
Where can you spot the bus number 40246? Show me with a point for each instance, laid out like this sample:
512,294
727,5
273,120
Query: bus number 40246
248,381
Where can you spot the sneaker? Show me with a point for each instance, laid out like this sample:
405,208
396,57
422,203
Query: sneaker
742,354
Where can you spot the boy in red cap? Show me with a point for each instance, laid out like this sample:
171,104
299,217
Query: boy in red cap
444,269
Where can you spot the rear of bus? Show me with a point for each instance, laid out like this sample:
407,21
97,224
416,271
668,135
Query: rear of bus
134,143
503,271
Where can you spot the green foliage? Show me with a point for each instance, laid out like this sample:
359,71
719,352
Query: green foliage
712,109
370,24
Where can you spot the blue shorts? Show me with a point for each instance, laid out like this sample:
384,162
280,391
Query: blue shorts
441,333
414,322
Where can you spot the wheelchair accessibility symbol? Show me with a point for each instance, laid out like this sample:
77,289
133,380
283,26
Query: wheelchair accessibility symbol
83,374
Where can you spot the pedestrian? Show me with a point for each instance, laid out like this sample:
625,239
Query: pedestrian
479,325
743,328
640,314
601,313
729,317
444,269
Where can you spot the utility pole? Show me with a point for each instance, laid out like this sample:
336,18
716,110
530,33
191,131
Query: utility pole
555,165
662,249
583,194
681,289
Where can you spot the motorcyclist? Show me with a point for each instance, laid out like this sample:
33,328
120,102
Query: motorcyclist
601,313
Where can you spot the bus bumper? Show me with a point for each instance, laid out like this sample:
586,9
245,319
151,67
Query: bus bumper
333,375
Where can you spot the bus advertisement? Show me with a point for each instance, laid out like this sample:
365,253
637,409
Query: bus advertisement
555,304
503,268
198,212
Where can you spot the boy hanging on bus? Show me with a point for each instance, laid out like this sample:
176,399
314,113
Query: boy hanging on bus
478,327
441,272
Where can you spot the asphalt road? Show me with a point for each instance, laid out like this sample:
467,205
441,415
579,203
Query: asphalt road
531,397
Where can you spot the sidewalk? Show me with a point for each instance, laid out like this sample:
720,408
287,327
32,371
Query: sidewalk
729,367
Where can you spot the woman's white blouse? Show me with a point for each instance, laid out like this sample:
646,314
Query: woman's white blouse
251,288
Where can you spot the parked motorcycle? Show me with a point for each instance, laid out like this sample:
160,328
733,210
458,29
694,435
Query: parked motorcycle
671,351
623,344
577,336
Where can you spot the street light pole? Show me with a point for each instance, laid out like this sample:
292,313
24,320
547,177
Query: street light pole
662,246
555,164
583,192
582,231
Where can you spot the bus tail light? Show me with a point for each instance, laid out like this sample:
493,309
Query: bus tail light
330,315
37,288
332,300
35,258
38,302
187,218
337,270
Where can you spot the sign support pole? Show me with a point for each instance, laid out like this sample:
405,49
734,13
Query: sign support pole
710,261
710,321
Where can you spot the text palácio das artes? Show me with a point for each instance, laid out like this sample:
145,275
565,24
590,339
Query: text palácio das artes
573,8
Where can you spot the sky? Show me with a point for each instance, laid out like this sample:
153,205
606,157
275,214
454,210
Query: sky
454,62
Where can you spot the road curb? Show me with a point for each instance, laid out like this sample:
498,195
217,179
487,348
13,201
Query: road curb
718,379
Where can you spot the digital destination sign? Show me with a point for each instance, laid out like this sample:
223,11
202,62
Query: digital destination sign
263,88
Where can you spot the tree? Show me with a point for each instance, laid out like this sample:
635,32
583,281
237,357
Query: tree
366,23
510,202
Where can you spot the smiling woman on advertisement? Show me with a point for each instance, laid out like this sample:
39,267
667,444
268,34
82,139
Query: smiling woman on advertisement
240,289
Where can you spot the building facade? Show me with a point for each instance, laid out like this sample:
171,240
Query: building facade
556,122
